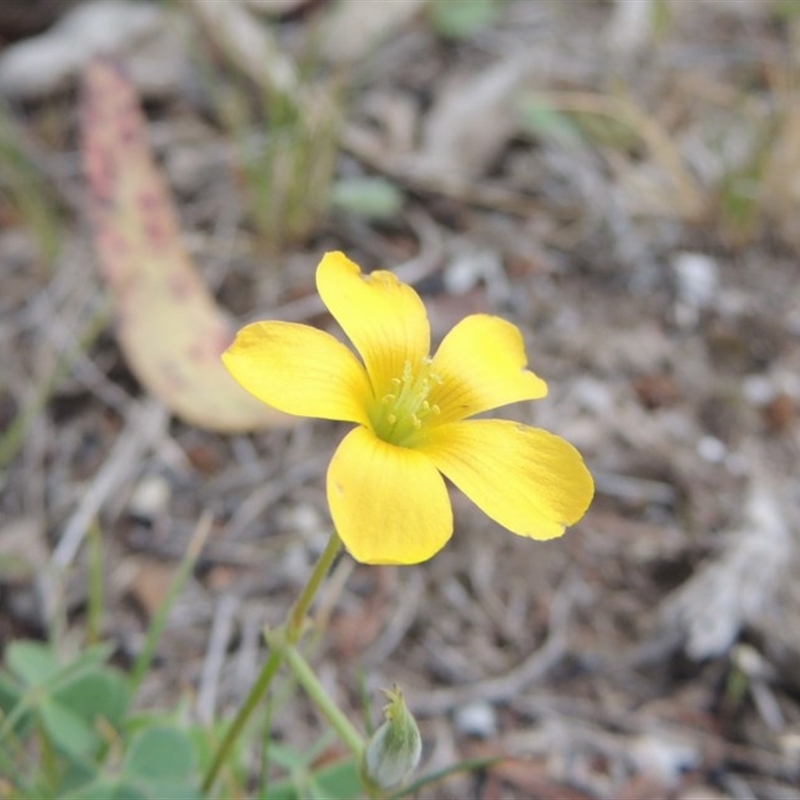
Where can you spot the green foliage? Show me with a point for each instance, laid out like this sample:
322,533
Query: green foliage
740,193
25,189
286,135
337,780
550,124
603,125
370,198
162,762
71,726
460,19
786,10
288,177
76,717
663,18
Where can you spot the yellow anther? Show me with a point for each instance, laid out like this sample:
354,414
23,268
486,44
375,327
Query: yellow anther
405,408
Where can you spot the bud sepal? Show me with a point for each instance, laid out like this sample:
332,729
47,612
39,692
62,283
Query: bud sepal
394,750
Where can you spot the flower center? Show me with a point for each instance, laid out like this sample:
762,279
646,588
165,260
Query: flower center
398,415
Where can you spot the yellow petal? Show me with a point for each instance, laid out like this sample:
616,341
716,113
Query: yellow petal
481,364
384,318
299,370
389,504
530,481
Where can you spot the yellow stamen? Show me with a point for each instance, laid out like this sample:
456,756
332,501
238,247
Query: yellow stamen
404,411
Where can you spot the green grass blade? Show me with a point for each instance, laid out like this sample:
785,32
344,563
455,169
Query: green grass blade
94,622
159,622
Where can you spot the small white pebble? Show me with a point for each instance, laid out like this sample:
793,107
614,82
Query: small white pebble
476,719
697,277
592,395
751,662
678,425
758,389
150,497
469,268
664,757
712,449
304,518
789,744
461,276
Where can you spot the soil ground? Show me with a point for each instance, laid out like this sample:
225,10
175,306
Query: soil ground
618,179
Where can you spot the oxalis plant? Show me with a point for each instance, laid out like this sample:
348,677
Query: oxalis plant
413,416
385,485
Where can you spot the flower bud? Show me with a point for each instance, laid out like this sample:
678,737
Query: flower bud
393,751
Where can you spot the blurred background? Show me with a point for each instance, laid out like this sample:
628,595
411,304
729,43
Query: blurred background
620,179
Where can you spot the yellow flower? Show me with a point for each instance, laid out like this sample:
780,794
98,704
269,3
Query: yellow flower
387,496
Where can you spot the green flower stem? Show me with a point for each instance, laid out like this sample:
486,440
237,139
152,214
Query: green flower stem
316,691
293,631
159,622
257,693
297,615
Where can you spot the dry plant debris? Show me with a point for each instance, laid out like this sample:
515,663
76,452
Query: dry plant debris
624,188
170,329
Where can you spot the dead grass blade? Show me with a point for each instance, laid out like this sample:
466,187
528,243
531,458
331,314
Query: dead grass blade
686,199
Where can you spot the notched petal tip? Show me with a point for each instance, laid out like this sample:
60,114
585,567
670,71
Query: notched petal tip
335,264
383,317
